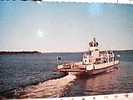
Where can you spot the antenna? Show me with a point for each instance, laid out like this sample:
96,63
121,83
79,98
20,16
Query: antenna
93,35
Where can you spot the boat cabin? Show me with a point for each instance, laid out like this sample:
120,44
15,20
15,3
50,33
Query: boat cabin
95,56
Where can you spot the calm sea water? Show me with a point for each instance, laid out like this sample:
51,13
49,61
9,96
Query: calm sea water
21,70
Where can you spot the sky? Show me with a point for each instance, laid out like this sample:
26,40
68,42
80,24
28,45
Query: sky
64,27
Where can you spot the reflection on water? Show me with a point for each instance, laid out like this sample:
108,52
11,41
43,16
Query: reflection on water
102,84
99,84
107,83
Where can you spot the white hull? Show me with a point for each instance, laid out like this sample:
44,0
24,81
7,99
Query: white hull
93,69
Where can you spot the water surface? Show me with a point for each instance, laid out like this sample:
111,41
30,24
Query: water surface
23,70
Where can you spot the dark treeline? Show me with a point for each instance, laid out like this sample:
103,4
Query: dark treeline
18,52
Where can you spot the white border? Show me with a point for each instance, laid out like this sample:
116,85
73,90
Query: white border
123,96
94,1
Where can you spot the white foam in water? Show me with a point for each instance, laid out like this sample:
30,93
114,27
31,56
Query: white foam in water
50,88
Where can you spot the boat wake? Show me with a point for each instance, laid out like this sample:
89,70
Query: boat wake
50,88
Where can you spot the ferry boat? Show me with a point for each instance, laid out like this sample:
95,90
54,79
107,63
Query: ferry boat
94,61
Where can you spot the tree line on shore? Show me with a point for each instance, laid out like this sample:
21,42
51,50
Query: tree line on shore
19,52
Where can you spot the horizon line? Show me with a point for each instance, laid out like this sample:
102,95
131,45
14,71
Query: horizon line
58,51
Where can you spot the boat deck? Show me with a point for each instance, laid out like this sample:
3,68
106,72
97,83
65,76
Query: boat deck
72,70
85,68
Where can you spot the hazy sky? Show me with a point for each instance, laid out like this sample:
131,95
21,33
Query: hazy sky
60,27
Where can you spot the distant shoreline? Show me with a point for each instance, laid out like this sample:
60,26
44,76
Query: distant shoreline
38,52
19,52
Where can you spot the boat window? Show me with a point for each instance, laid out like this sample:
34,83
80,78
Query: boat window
96,49
89,52
85,56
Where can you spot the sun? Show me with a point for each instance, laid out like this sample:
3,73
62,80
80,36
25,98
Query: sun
40,33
